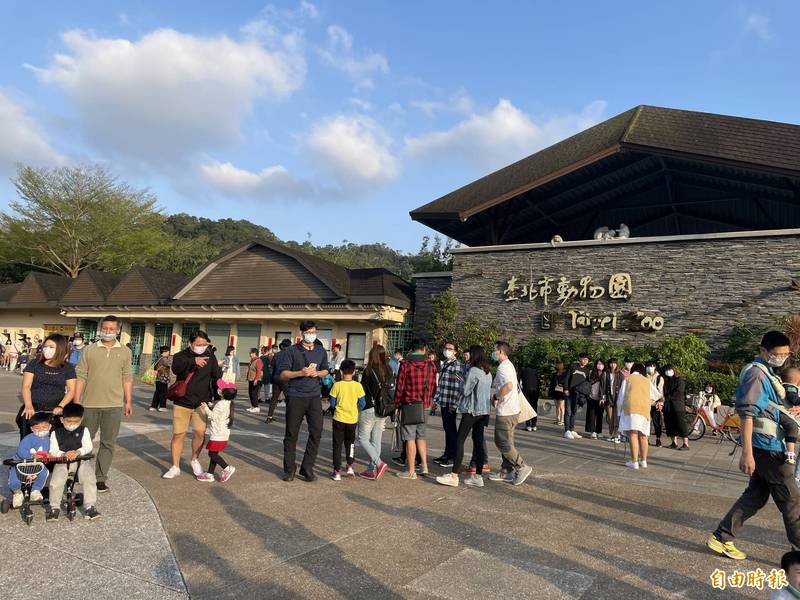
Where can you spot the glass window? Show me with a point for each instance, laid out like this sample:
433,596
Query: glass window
88,329
248,337
283,335
357,347
187,330
162,336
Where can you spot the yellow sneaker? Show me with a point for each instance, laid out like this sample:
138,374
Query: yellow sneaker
726,548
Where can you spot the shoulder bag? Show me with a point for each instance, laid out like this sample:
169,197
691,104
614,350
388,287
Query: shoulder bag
413,413
526,412
384,403
177,391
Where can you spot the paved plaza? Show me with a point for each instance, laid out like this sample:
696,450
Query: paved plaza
582,527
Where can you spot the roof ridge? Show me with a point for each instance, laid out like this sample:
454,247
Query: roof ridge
632,123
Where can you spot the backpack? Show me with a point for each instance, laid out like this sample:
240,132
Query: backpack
384,403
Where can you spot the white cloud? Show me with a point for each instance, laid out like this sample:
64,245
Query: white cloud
354,149
360,104
170,94
21,139
460,103
502,135
270,183
760,25
341,55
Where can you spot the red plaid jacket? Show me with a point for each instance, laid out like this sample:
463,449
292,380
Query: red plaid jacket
414,372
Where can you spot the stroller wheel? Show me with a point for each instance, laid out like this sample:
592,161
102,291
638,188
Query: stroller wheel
71,514
27,515
4,506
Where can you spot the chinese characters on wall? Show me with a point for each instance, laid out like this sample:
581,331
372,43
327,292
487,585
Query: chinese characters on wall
551,294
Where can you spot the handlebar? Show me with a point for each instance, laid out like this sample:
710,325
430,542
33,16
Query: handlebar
12,462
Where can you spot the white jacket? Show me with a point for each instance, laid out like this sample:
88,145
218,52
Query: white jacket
218,420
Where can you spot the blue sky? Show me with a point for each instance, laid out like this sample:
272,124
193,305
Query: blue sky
335,119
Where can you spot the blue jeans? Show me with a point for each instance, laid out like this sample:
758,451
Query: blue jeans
15,485
570,408
370,434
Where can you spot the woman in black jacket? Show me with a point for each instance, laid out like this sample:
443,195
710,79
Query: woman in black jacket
198,362
675,408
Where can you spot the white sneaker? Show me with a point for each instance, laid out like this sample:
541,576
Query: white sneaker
474,480
36,496
534,428
350,472
16,501
172,473
568,435
632,465
529,429
594,435
162,409
152,408
206,477
576,436
196,468
253,409
450,479
643,464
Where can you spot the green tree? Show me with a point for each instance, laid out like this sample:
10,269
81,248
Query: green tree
72,218
433,257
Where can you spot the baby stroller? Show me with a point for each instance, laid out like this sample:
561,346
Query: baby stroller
28,470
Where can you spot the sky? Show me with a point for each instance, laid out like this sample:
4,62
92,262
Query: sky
334,119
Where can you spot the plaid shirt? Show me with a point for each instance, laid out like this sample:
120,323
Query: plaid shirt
450,388
416,380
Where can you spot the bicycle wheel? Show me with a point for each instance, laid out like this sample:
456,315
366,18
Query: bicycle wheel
696,429
729,436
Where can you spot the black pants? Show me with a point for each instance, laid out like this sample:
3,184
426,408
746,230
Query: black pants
277,388
253,389
533,400
476,425
773,477
657,416
343,433
298,408
449,424
160,395
594,417
215,459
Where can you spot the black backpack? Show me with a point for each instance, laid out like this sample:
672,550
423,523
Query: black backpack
384,402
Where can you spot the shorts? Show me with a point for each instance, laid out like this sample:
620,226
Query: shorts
412,432
181,416
216,446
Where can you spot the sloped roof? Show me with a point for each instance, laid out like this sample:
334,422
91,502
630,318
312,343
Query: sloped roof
91,287
769,144
142,285
40,289
616,152
294,277
8,290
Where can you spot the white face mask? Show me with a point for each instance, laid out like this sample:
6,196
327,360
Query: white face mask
199,349
71,427
108,337
309,338
42,434
628,366
669,372
77,343
48,352
448,354
709,390
774,361
651,370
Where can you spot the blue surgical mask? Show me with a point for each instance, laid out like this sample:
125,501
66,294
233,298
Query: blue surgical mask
494,356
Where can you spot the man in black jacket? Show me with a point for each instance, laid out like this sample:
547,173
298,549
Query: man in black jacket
577,392
301,366
199,362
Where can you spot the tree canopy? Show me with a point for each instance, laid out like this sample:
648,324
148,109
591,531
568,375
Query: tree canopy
69,219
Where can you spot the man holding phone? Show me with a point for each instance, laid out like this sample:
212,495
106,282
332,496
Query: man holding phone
301,366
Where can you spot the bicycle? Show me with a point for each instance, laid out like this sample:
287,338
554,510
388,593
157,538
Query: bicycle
697,421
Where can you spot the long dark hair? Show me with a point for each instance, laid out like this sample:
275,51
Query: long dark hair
477,358
376,363
596,373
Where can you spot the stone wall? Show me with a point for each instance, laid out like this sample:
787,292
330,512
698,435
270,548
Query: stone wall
701,286
426,287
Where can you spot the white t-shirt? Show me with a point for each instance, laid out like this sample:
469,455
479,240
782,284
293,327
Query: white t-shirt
508,404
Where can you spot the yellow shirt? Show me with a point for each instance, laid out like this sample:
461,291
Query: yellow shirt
347,394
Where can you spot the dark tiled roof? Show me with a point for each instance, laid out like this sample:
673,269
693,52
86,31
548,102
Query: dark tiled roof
105,282
163,283
377,285
54,286
8,290
769,145
141,285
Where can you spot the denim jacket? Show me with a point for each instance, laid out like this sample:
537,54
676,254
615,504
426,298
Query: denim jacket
477,398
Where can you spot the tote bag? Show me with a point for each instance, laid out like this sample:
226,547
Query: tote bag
229,376
526,412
